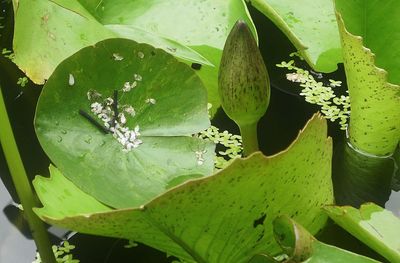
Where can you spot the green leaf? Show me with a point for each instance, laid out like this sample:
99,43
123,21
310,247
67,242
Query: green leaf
371,39
226,217
170,104
301,246
311,27
59,188
371,224
47,32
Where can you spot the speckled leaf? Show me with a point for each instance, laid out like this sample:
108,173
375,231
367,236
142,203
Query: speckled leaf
311,27
371,45
59,188
226,217
373,225
170,104
48,31
301,246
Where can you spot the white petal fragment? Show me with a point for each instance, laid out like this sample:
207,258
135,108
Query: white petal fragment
71,80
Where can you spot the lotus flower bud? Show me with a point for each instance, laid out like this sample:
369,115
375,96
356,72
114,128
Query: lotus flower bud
243,83
243,78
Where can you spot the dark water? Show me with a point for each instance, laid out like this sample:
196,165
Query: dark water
286,115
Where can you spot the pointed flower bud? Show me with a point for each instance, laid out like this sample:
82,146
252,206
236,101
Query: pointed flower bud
243,83
243,78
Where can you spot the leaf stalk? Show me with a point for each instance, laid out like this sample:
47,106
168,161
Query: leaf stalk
23,186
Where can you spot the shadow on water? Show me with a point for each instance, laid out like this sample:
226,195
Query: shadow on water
286,115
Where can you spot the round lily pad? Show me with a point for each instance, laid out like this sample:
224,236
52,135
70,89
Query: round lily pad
116,118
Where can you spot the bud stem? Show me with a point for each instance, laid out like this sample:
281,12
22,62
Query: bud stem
249,138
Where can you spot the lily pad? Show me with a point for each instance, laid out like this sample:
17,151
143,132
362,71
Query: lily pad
301,246
371,224
226,217
311,27
49,31
372,72
166,103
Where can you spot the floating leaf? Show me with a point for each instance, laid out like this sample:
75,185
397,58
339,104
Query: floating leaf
301,246
311,27
371,224
166,102
375,111
47,32
226,217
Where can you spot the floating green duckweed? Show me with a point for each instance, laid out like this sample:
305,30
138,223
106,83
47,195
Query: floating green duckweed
232,145
22,81
7,53
229,146
62,254
333,107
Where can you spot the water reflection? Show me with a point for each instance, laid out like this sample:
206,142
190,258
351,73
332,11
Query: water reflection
359,178
14,246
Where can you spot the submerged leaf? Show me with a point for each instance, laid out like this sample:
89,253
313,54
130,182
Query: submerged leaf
159,101
359,178
370,37
311,27
226,217
371,224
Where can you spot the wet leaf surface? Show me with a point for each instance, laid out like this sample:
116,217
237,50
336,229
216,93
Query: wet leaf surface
166,103
371,224
226,217
47,32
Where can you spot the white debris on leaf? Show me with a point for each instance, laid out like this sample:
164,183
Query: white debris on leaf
128,138
129,86
104,111
151,101
130,110
200,157
117,57
96,107
71,80
122,118
93,95
109,101
140,54
137,77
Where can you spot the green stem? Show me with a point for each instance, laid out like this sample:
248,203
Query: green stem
249,138
23,187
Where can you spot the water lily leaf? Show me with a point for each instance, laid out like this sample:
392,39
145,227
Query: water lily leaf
371,224
310,26
166,103
47,32
372,72
226,217
301,246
